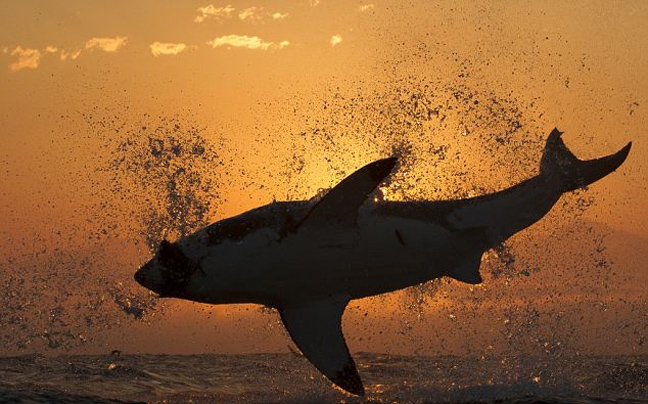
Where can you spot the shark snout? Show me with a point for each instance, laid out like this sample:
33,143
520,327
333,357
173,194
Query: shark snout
148,277
140,277
159,278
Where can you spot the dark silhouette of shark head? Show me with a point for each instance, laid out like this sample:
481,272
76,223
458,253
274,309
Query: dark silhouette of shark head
169,272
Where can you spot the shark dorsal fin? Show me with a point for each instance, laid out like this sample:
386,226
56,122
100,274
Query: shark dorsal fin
316,329
340,205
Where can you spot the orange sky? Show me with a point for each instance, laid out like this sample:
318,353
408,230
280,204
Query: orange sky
254,75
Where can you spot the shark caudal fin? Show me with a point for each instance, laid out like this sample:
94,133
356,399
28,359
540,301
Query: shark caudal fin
560,163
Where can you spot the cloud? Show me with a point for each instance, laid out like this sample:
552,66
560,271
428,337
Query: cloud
257,14
366,7
314,3
251,14
279,16
64,55
336,39
244,41
107,44
161,48
31,58
27,58
213,13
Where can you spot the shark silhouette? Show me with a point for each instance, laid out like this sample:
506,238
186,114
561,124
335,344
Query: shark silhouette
308,259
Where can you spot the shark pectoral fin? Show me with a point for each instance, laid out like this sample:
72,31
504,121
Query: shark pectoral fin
340,205
316,329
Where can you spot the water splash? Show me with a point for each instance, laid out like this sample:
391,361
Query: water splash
171,170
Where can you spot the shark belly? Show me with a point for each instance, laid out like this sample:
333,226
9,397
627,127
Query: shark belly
385,254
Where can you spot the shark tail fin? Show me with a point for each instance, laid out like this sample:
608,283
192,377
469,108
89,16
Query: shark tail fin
559,163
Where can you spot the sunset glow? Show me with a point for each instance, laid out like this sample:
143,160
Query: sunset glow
123,123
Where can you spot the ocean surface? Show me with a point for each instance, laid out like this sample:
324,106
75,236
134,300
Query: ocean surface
288,378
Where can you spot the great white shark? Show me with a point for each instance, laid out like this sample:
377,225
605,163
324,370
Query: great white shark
308,259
